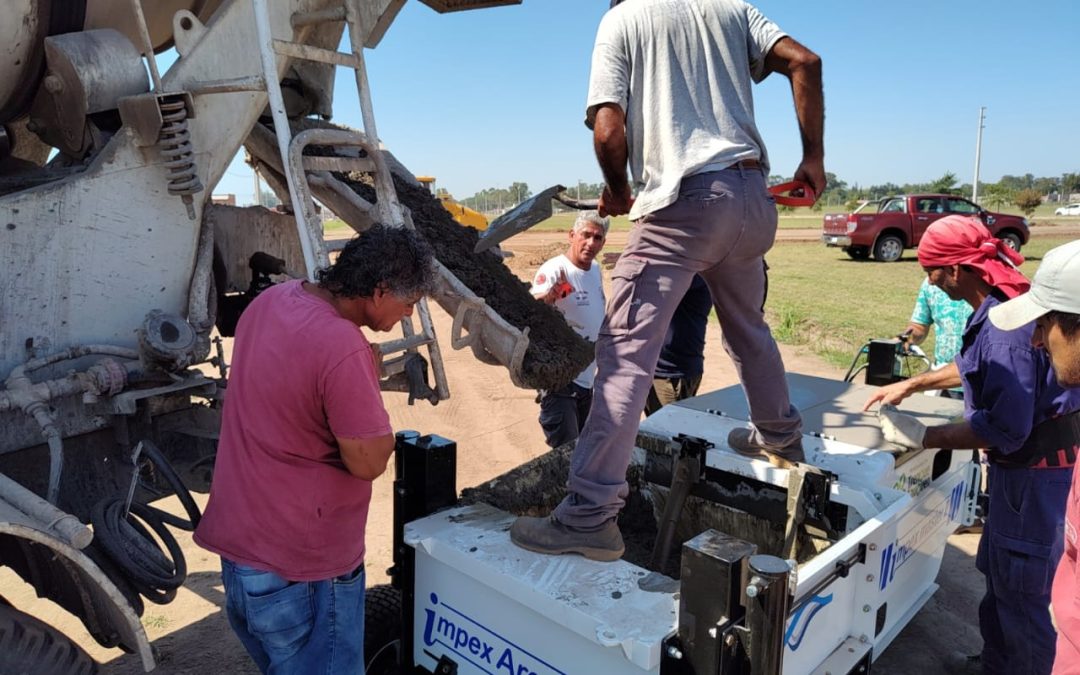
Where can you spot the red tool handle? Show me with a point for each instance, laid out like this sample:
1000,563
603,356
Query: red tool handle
778,193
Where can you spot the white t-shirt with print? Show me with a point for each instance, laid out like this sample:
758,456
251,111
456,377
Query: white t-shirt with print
583,308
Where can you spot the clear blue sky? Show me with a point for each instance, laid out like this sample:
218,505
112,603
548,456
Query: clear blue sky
487,97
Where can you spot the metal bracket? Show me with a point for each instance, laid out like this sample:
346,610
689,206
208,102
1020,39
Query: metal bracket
445,665
693,447
840,571
127,403
817,490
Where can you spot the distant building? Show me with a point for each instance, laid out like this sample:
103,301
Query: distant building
224,200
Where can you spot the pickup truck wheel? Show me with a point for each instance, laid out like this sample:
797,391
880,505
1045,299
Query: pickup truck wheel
857,252
888,248
31,646
382,630
1011,239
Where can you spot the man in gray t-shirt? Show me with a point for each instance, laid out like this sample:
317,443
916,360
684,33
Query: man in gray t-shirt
670,96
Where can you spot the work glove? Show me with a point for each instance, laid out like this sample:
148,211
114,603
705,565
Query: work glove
900,429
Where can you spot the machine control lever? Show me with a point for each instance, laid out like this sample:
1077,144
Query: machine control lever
689,467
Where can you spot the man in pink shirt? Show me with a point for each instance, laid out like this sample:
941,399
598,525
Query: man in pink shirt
303,435
1053,303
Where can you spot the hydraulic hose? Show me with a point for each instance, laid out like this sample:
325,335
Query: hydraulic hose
131,546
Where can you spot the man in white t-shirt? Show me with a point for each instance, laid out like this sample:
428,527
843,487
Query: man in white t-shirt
572,283
672,113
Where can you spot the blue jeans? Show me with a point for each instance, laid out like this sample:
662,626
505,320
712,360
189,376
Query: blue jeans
298,627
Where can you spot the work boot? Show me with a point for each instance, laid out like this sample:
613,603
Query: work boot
741,441
548,535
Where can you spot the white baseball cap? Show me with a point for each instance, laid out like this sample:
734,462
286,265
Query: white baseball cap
1055,288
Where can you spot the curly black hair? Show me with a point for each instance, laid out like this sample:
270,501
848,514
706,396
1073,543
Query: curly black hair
395,259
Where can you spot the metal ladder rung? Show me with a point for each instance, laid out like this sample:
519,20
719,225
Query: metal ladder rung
405,344
300,19
297,166
295,50
343,164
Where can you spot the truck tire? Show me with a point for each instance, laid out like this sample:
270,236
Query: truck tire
382,630
1011,239
857,252
31,646
888,248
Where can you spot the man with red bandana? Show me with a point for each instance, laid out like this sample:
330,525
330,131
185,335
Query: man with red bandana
1011,402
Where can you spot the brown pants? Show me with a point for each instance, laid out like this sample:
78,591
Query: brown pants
720,227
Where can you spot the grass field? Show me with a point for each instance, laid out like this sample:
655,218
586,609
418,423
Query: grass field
561,222
794,220
820,298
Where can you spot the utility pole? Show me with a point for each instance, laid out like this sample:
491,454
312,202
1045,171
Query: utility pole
978,155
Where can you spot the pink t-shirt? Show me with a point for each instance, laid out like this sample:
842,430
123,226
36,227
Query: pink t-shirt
282,499
1065,596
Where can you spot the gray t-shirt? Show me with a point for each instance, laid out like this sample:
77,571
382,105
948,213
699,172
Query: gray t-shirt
681,70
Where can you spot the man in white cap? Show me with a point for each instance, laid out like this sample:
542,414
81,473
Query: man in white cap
1053,303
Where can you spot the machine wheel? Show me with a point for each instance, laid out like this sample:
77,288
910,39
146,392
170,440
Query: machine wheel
888,248
382,630
857,252
1011,239
30,646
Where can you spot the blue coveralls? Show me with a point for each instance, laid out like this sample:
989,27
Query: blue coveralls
1009,389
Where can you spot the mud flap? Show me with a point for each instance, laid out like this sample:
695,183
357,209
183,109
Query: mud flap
95,599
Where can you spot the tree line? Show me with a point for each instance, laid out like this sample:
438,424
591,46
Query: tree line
1025,192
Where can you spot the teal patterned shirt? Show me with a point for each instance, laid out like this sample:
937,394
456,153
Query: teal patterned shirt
934,307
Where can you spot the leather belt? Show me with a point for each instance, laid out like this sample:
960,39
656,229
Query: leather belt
747,164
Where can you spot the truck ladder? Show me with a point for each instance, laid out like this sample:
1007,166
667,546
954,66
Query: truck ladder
296,166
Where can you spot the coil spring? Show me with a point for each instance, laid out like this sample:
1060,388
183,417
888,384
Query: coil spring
175,145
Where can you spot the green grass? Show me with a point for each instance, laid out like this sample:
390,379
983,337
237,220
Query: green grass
562,222
335,226
820,298
789,220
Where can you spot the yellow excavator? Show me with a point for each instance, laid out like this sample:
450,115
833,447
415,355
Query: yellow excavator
461,213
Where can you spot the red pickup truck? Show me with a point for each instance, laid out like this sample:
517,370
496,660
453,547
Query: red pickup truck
900,221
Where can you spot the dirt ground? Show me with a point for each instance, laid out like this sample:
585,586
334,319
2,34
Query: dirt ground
495,426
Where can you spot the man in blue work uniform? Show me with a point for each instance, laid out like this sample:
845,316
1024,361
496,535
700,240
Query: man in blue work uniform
1011,399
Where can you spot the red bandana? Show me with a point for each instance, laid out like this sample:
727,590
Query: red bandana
964,240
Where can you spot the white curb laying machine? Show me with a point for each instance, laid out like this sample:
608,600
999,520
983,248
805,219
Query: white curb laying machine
812,569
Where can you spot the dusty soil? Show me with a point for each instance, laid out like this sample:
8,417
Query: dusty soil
495,426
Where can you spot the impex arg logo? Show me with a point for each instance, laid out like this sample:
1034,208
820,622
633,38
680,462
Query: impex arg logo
479,645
